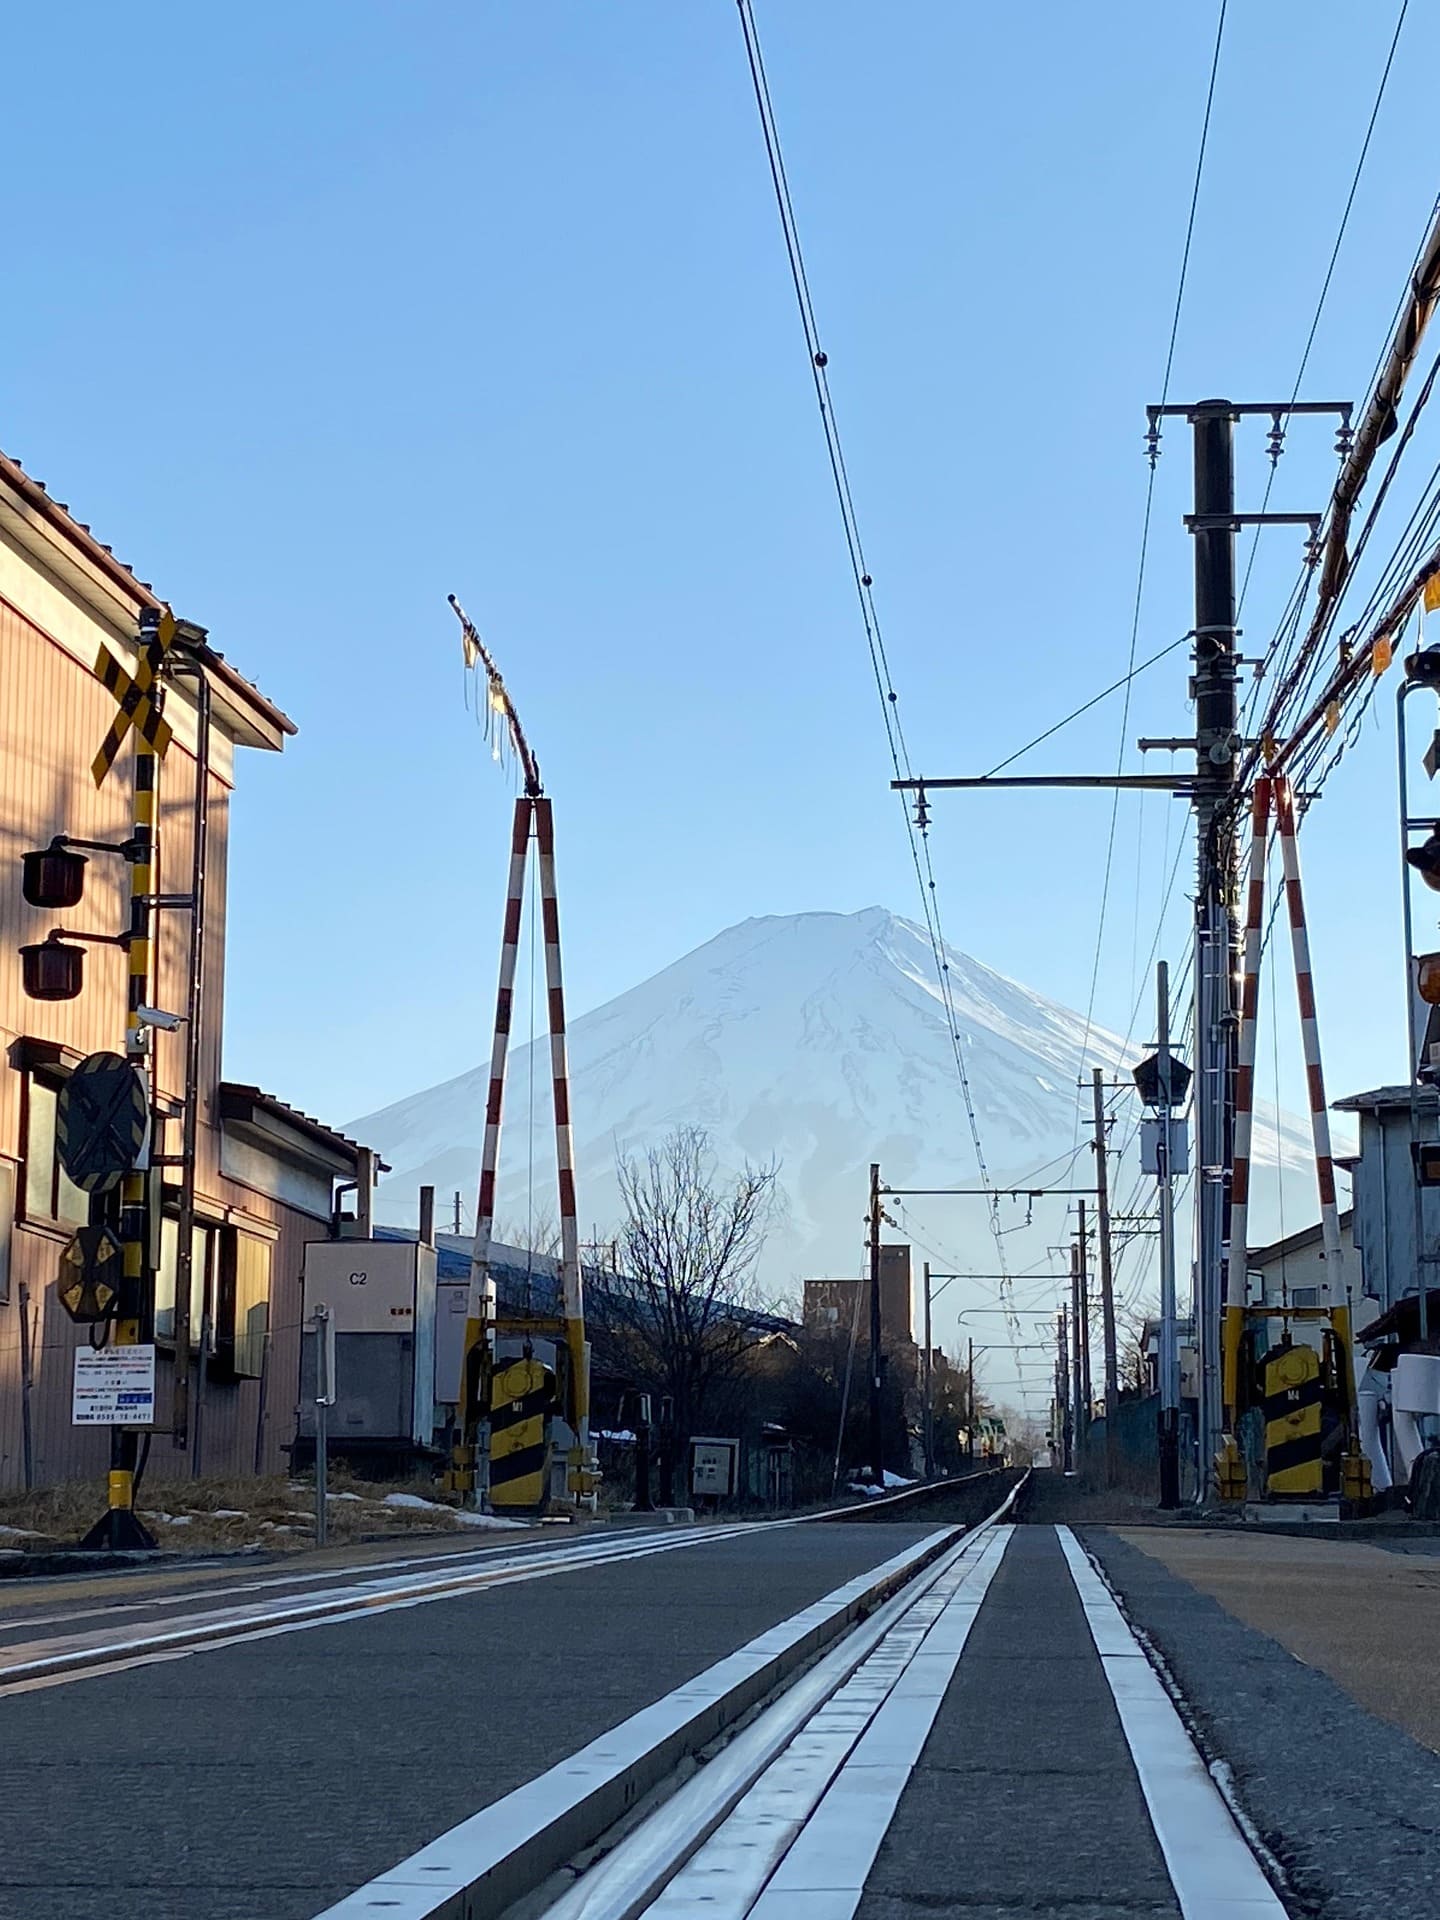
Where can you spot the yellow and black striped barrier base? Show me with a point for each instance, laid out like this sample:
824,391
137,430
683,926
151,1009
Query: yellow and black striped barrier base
1294,1390
522,1400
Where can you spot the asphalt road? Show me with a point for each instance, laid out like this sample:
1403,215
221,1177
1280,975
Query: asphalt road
264,1781
1348,1804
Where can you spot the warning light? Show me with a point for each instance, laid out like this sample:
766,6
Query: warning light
1425,859
1427,978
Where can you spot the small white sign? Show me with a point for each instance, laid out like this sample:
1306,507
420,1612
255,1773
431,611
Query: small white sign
114,1388
712,1466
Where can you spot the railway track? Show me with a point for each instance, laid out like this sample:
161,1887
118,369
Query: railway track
784,1818
159,1627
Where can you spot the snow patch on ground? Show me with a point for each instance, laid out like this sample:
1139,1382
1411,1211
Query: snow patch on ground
869,1489
463,1515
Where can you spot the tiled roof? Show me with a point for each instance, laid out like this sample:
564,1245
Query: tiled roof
306,1122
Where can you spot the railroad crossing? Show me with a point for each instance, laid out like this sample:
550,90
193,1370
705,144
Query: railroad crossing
945,1702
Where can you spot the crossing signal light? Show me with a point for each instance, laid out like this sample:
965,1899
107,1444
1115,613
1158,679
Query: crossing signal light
1425,859
51,970
1423,668
1427,978
53,877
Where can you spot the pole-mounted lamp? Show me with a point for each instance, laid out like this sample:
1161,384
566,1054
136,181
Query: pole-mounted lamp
53,969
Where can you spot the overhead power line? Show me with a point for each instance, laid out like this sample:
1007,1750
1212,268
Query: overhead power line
1145,538
1329,273
880,666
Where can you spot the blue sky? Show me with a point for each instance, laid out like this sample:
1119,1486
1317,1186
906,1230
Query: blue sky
319,312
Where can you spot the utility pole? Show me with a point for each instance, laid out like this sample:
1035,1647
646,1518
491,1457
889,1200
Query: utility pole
1077,1364
929,1431
1214,524
877,1463
1169,1436
1216,715
1088,1391
1107,1286
1062,1384
970,1397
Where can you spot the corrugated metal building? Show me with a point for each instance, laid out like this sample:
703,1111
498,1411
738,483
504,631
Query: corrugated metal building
265,1174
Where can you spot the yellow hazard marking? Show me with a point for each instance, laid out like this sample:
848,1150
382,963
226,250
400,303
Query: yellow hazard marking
135,694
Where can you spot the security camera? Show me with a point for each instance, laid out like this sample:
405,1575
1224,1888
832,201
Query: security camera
157,1017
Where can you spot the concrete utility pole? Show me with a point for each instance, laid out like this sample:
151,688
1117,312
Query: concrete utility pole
929,1431
1089,1390
1216,715
970,1397
1062,1393
877,1442
1107,1285
1214,524
1169,1435
1077,1363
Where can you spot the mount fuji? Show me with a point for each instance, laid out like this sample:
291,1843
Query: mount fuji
819,1040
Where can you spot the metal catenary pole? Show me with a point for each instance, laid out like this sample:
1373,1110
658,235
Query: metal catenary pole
877,1444
180,1419
1412,1028
1107,1281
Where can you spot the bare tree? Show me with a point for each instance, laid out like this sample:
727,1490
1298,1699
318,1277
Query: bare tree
540,1235
677,1319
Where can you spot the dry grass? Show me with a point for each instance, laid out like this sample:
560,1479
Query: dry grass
191,1516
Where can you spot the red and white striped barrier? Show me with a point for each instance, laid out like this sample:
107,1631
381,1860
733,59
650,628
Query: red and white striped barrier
1336,1297
571,1285
1237,1265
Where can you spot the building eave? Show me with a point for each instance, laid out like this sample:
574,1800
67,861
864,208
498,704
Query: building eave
48,532
252,1113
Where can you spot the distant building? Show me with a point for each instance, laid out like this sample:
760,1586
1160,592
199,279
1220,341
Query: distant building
836,1303
1291,1273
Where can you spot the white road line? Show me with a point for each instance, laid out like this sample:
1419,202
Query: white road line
364,1569
508,1846
822,1876
27,1665
903,1679
1213,1871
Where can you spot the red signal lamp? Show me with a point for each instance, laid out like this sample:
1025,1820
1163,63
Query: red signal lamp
54,877
52,970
